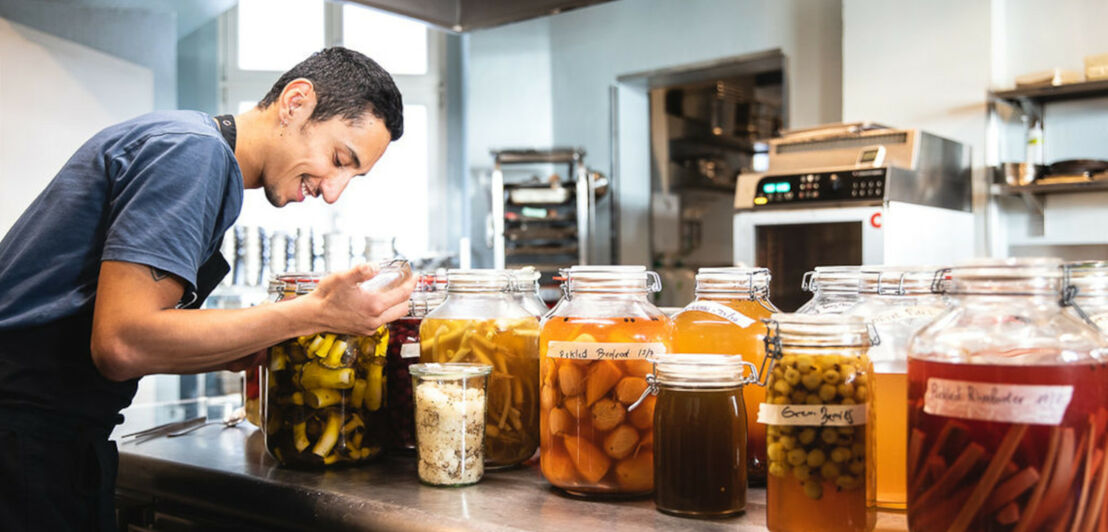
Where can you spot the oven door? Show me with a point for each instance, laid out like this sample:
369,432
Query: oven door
791,242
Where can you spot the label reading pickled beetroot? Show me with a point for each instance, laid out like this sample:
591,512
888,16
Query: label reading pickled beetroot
1004,403
604,350
812,415
723,311
409,350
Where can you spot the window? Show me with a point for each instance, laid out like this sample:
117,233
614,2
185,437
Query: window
260,40
398,45
277,34
263,38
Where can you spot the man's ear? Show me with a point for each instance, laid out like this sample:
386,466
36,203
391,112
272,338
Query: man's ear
298,100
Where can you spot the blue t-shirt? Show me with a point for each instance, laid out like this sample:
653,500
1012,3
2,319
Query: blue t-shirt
158,190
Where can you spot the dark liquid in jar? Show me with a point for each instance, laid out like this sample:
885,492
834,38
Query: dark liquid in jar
948,457
700,451
399,391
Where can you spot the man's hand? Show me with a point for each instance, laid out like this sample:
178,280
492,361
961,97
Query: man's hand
346,308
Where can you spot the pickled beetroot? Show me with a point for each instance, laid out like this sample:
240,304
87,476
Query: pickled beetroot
404,331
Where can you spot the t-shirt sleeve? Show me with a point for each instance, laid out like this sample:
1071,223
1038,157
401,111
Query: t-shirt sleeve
167,194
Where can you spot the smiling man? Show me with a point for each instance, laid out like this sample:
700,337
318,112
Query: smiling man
104,272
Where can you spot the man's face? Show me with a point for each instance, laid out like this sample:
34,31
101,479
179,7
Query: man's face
319,158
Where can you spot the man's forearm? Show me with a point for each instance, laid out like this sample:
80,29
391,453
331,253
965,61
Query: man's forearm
189,341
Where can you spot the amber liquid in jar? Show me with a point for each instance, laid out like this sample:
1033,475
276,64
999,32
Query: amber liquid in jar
591,445
510,346
703,332
696,470
890,403
995,476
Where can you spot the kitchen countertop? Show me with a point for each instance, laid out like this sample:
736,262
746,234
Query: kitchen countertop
228,472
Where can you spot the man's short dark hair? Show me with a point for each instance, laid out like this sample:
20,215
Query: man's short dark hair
347,84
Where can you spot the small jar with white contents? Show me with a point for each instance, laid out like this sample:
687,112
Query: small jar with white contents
450,410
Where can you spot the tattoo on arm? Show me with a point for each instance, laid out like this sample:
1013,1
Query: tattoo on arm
158,275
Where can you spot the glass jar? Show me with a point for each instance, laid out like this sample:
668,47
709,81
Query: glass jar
819,424
323,401
699,424
725,318
481,322
595,351
525,288
403,351
834,289
450,410
898,301
1007,406
1090,280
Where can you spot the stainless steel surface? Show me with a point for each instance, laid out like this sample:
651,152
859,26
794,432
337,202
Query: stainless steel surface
233,419
920,168
166,428
228,472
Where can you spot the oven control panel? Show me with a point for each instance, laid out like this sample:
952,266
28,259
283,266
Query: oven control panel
865,185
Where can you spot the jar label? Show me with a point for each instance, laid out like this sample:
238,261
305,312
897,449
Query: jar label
812,415
604,350
723,311
1003,403
409,350
918,313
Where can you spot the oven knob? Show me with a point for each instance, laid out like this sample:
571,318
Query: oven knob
835,183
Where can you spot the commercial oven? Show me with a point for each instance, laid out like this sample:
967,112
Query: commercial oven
853,194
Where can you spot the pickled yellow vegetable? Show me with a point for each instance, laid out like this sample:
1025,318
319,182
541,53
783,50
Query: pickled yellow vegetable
511,347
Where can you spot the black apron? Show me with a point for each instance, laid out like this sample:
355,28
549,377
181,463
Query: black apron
57,466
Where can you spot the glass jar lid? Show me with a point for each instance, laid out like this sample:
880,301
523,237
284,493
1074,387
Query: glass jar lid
616,279
449,370
703,370
524,279
478,280
734,280
897,280
1003,277
819,330
1089,278
840,279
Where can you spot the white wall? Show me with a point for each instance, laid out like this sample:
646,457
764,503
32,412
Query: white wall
54,95
591,47
546,81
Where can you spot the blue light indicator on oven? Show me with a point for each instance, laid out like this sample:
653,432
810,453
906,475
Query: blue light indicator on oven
769,188
784,187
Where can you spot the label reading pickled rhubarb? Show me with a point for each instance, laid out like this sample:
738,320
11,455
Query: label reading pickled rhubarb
604,350
1004,403
409,350
723,311
812,415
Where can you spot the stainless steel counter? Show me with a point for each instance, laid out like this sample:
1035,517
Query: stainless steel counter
227,472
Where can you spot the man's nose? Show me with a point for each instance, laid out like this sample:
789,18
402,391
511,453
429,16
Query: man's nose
333,186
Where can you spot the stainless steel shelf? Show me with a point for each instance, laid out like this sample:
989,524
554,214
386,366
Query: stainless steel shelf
1071,91
1059,188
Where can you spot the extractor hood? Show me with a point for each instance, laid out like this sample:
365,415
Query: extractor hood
465,15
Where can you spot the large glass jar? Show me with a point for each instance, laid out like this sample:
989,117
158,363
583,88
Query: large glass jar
323,401
403,352
595,351
480,322
699,424
834,289
819,424
897,301
1090,281
726,319
1007,406
525,289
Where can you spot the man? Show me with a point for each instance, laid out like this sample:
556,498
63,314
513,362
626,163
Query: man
103,273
